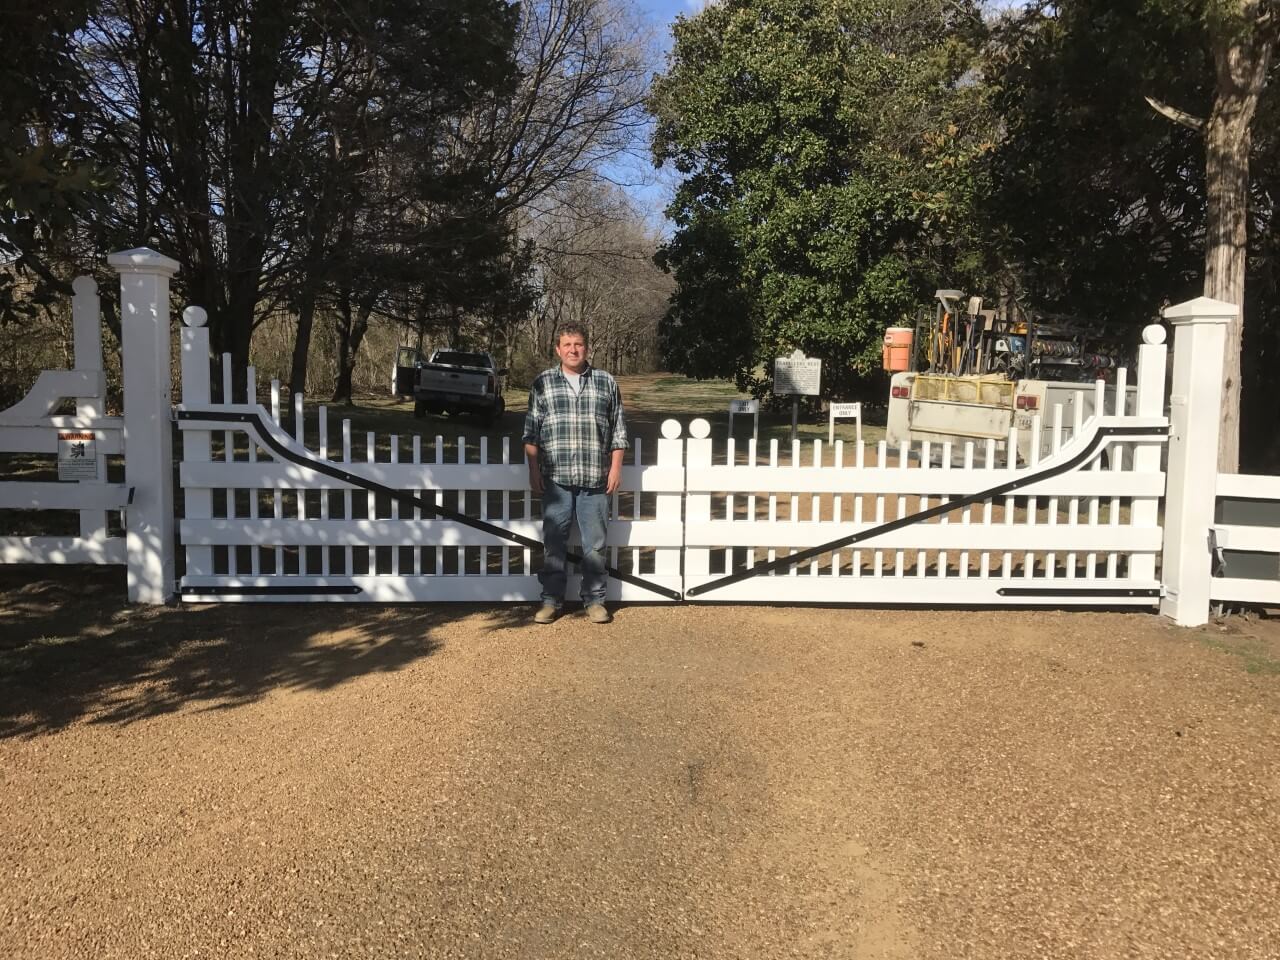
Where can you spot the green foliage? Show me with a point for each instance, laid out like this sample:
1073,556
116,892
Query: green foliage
1098,203
51,174
832,163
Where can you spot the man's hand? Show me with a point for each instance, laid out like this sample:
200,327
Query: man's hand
535,473
615,472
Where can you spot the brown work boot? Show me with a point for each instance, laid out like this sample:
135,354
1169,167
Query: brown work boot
598,613
546,614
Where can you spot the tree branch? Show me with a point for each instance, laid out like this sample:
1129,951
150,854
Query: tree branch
1180,117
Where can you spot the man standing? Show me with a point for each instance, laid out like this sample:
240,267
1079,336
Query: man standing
574,440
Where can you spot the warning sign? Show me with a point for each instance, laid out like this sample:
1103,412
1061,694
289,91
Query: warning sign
77,455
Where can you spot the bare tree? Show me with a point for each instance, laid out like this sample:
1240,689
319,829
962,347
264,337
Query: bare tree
578,110
595,258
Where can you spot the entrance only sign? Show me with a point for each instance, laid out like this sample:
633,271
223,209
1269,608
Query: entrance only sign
844,411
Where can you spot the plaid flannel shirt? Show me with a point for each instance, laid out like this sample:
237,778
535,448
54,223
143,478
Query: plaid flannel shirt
575,432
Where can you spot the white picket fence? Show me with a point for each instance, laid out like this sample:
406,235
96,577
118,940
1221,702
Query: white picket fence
1260,536
277,506
32,426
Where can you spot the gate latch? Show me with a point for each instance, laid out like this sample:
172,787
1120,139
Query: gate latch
1217,542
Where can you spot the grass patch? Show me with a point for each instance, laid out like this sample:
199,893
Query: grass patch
1258,656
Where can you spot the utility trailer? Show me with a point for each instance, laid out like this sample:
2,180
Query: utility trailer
988,373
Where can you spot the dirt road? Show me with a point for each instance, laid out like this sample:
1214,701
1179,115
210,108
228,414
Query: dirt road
712,782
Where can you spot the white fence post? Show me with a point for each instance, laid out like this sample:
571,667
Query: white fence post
145,344
1146,456
697,504
196,444
666,560
1195,414
86,325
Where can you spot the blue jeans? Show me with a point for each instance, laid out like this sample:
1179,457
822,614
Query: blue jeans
559,505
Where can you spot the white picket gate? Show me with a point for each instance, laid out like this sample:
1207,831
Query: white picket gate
274,515
270,512
874,525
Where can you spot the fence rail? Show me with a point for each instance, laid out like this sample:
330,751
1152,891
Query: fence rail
1248,510
31,426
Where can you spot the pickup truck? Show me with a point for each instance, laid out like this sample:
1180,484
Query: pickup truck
458,381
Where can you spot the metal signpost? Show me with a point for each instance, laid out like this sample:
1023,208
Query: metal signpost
844,411
799,376
746,406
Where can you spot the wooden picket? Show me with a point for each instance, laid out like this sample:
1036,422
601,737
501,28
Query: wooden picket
1119,512
1075,534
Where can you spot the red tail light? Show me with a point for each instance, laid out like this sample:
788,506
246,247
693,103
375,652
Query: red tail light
1026,402
900,393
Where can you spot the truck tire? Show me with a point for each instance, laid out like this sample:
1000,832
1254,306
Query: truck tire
419,408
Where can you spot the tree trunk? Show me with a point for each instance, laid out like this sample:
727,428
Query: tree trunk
352,325
302,341
1241,59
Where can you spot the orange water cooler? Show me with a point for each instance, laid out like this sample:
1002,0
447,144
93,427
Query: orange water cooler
896,356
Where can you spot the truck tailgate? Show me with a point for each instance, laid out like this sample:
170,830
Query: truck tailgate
459,380
963,419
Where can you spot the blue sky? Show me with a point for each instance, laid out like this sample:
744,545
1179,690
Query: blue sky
664,11
652,189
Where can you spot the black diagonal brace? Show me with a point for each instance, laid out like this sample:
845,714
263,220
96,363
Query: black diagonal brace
1002,489
405,498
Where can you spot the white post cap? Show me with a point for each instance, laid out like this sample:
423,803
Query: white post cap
142,260
1201,310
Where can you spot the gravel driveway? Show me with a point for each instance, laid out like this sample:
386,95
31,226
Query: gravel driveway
713,782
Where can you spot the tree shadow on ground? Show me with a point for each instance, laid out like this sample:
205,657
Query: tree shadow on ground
72,648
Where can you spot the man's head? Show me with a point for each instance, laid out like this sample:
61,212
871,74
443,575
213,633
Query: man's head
571,347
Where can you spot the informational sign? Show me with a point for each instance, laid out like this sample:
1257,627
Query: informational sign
797,375
844,411
745,406
77,455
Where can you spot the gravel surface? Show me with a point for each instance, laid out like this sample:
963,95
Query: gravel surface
712,782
